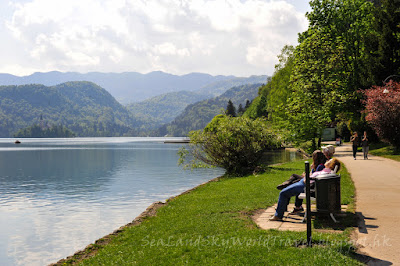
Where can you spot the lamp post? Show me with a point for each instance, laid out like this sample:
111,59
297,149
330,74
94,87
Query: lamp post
391,76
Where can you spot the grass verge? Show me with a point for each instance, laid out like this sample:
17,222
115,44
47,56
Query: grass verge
212,226
385,150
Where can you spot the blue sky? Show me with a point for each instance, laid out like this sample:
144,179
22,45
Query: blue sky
238,37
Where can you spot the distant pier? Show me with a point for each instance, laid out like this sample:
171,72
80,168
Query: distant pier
177,141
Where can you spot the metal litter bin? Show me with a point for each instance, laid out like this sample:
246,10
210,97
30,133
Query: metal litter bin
327,193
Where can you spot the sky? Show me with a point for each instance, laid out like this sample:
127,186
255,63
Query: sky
219,37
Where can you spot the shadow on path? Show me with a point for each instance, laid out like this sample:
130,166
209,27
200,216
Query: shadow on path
362,226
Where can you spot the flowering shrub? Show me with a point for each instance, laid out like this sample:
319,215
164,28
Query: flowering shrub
233,143
383,111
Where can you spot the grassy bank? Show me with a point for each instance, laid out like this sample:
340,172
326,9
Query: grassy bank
385,150
212,225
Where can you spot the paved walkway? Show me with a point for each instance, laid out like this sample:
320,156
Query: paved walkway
377,183
289,222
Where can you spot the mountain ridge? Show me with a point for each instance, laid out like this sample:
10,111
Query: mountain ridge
127,87
197,115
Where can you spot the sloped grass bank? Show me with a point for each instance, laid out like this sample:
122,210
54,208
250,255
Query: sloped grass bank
211,225
385,150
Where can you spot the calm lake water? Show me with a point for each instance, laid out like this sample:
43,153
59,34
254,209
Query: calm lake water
59,195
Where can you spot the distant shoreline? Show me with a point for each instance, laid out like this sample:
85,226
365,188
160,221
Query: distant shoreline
178,141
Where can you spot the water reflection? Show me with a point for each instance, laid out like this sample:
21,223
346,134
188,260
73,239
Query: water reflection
280,156
57,196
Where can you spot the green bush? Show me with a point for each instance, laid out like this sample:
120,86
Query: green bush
233,143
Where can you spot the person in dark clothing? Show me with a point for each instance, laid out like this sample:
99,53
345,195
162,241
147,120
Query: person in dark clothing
356,142
365,146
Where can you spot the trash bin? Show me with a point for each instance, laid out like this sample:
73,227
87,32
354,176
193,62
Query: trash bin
327,193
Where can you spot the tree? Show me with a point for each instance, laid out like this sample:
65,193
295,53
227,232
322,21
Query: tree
273,95
349,24
278,89
233,143
258,108
383,111
329,66
230,109
388,26
247,104
240,110
37,131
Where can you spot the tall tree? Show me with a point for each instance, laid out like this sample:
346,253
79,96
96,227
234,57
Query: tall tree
329,66
247,104
230,109
240,110
278,89
388,26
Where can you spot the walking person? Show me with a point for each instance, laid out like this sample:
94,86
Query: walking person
365,146
356,142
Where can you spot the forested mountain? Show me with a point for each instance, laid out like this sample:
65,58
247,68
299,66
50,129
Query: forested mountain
132,87
198,115
83,107
219,87
164,108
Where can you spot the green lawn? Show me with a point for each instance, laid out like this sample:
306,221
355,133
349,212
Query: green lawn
212,226
385,150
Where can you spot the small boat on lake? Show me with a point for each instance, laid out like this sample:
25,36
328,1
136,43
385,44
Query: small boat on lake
17,142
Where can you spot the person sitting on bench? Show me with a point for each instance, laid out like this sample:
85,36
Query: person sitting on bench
319,160
297,188
328,151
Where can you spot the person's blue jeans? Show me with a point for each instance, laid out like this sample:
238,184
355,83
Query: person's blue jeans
285,195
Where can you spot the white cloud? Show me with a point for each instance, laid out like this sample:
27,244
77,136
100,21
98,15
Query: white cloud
180,36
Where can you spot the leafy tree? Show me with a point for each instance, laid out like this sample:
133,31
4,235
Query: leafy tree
230,109
233,143
258,108
388,26
329,66
349,24
383,111
316,89
273,96
278,90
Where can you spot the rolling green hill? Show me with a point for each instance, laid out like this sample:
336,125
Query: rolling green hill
83,107
164,108
198,115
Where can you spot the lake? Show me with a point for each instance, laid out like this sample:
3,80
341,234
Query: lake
59,195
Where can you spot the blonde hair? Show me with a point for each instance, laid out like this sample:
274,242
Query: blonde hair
332,163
